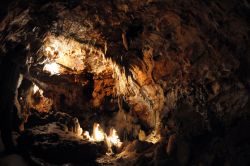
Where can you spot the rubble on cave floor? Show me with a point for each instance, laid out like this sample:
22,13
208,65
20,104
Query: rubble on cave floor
52,144
51,141
51,138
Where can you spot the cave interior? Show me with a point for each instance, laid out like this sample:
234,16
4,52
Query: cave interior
116,82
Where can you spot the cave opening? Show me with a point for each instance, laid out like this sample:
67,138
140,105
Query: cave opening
148,82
